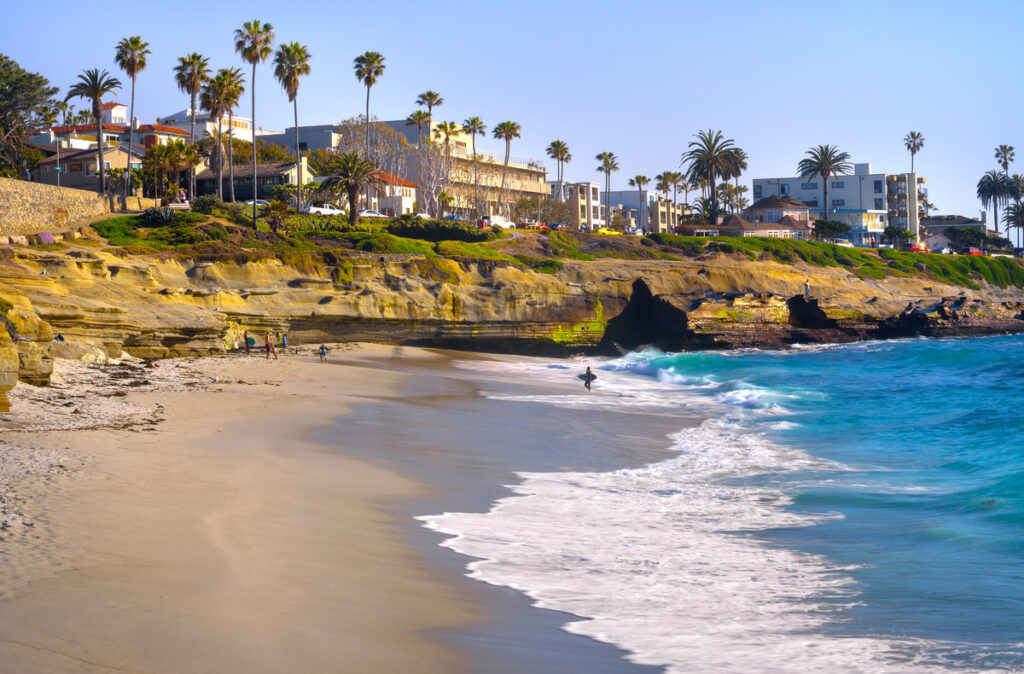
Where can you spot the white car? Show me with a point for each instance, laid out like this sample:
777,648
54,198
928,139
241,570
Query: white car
497,221
323,209
843,243
370,213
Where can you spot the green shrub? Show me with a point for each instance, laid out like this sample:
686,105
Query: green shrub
566,245
689,245
159,217
411,227
191,218
122,230
207,204
477,251
382,242
5,306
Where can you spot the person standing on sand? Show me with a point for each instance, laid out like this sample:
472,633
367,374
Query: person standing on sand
284,342
323,353
807,288
245,337
269,346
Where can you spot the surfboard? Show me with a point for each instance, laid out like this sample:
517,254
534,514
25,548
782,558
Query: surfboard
586,377
251,341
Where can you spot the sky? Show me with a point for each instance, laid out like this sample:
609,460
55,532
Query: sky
634,78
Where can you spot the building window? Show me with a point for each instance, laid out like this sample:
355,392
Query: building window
597,212
784,188
838,202
878,205
809,186
593,193
839,184
757,191
878,187
812,203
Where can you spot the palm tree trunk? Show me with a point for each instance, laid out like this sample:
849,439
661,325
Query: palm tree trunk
504,169
231,156
607,199
99,145
131,143
911,162
561,196
298,157
366,132
714,201
192,139
353,196
675,197
220,161
476,179
255,183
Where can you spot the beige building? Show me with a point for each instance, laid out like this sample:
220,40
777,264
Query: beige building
78,168
585,206
524,177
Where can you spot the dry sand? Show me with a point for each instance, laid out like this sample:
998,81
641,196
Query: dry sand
189,526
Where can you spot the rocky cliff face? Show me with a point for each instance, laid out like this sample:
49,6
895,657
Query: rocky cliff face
102,304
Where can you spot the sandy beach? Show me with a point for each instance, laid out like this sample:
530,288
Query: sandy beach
179,519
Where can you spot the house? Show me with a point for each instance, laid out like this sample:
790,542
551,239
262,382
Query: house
78,167
268,176
397,196
936,227
313,137
786,228
586,211
774,208
83,136
238,126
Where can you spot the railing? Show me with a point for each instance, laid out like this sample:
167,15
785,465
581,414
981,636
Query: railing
499,157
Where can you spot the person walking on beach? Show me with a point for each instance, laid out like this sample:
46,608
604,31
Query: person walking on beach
284,342
807,288
245,337
269,346
323,353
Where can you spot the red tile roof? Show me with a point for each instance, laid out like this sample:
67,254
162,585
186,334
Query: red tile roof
122,128
108,106
392,179
160,128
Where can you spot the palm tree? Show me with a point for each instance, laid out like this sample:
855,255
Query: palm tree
190,74
429,100
639,182
233,87
213,99
130,56
253,41
825,161
418,118
739,165
710,157
505,131
354,173
443,201
609,163
158,161
63,108
993,189
1004,157
368,67
559,151
290,63
446,130
93,85
475,126
913,141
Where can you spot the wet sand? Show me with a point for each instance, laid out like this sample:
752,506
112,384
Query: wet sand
219,539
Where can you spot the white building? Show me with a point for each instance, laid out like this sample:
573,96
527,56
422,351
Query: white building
239,127
866,201
313,137
585,205
641,201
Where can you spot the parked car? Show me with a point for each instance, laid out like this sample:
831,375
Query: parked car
370,213
920,249
421,216
496,221
323,209
844,243
556,225
947,251
975,251
455,218
259,203
608,232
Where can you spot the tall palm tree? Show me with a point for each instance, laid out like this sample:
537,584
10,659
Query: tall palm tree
368,66
93,85
994,189
130,56
475,126
913,141
1004,156
559,151
290,63
666,183
233,86
825,161
254,41
353,174
739,165
190,74
710,157
429,100
1014,217
158,161
609,163
639,182
213,99
62,107
446,130
505,131
418,118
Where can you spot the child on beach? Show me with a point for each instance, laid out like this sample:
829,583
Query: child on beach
323,353
284,342
269,346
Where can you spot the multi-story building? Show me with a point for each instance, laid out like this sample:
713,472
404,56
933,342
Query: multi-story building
585,205
238,126
315,137
867,201
523,177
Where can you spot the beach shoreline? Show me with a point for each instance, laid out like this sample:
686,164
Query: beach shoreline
195,526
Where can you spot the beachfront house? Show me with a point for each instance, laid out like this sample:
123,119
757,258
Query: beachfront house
268,176
78,168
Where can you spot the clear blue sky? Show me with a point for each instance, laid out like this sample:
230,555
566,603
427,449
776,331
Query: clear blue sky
636,78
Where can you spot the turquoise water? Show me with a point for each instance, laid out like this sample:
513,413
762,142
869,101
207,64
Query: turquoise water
923,503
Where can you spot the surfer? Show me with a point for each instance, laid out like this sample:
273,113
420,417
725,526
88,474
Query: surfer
588,377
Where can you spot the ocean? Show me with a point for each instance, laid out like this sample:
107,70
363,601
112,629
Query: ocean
853,508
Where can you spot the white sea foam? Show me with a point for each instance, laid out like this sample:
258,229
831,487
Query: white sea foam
662,561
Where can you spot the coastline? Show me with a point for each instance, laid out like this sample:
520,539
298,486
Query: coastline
220,538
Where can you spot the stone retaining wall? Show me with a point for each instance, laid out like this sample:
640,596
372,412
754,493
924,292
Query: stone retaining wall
27,207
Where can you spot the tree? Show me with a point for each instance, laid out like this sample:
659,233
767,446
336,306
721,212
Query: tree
897,235
963,238
429,100
709,158
1014,216
418,118
276,213
368,66
831,229
290,63
233,88
444,200
475,126
1004,156
22,96
608,163
738,164
446,130
542,209
993,189
825,161
190,74
213,98
639,182
158,161
913,141
559,151
505,131
254,41
93,85
130,56
355,173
